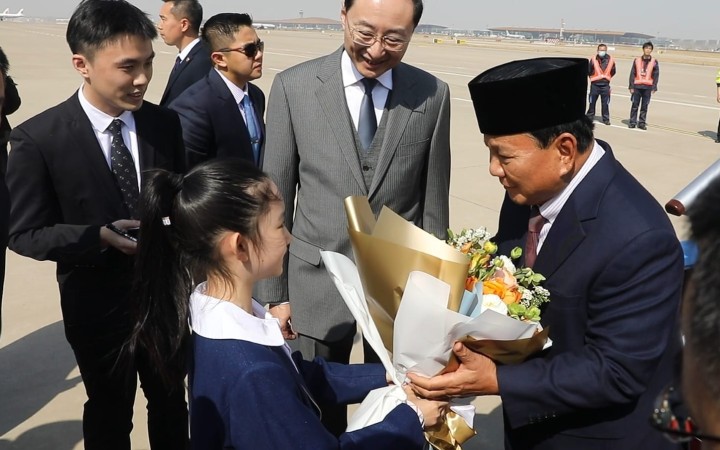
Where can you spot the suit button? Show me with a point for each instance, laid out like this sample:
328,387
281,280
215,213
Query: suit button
366,168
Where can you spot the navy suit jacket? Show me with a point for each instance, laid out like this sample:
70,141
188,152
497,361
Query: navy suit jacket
63,191
212,124
245,395
195,66
614,270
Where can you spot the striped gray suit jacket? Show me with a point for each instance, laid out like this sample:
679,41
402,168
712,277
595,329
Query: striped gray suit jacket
311,155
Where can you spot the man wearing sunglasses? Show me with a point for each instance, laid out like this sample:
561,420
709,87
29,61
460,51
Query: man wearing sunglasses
356,122
222,114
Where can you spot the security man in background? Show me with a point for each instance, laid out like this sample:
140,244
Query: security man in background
600,70
644,76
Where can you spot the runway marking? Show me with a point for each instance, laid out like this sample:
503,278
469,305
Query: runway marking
452,73
690,105
653,127
290,55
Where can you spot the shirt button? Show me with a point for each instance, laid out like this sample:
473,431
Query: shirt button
366,168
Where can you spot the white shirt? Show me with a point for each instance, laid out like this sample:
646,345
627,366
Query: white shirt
355,91
237,93
100,123
188,48
551,208
213,318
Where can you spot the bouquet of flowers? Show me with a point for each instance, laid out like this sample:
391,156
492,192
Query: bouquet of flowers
406,290
506,289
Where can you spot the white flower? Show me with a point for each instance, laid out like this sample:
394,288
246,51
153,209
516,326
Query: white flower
494,303
527,294
541,291
507,263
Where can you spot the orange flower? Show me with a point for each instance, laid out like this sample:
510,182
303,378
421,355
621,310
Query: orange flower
497,286
470,283
466,248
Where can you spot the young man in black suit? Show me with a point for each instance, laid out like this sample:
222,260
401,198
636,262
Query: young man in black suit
179,26
75,168
222,114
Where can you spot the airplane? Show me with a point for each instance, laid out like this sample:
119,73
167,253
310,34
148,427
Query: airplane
514,36
8,15
263,26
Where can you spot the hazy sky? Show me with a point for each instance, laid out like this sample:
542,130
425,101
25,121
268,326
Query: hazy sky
696,19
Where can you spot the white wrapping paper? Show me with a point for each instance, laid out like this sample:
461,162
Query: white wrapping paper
420,336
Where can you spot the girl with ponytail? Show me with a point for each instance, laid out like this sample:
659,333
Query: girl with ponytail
205,239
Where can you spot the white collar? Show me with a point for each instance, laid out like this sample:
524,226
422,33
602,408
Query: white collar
551,208
188,48
213,318
237,92
351,75
100,120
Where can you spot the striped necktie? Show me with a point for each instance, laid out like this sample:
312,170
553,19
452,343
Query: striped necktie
535,224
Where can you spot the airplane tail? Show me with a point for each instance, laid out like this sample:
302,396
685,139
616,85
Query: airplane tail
20,13
7,10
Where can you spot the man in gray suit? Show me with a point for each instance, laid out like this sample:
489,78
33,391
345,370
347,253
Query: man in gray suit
355,122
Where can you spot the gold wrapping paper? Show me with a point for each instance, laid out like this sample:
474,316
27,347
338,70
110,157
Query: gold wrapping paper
503,352
387,250
450,433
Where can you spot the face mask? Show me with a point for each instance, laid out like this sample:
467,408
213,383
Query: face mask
602,54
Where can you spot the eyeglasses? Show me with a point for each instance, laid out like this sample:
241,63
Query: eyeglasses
676,425
249,50
367,38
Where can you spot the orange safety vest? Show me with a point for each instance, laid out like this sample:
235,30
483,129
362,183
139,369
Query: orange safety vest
644,77
598,73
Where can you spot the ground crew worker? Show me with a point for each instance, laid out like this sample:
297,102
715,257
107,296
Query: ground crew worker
644,76
600,70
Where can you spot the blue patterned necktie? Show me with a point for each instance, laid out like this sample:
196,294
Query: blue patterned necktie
367,121
123,167
253,126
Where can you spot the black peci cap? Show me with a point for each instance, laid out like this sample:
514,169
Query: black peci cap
528,95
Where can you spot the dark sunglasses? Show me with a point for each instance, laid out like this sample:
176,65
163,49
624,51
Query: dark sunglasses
249,50
670,417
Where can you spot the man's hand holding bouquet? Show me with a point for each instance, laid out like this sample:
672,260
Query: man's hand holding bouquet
408,294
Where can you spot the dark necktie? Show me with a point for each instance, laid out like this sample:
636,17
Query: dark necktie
176,67
367,122
253,127
123,167
535,224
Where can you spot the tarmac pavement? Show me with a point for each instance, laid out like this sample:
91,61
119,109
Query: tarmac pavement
41,395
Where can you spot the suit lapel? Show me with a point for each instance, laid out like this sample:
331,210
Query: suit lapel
399,109
231,114
331,97
81,132
565,235
175,74
568,230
